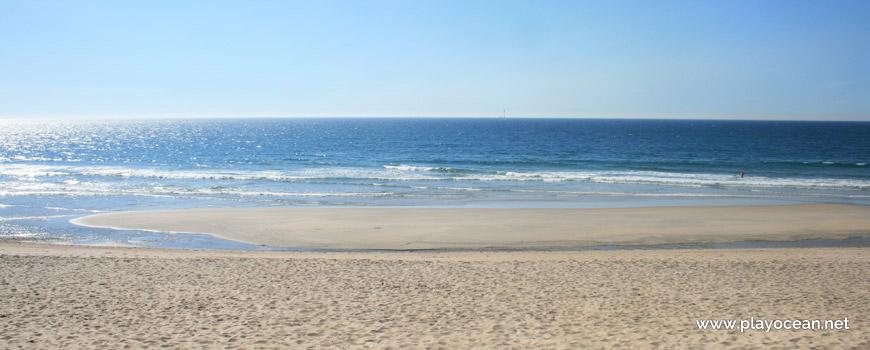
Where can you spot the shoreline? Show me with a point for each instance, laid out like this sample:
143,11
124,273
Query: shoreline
13,248
492,229
850,242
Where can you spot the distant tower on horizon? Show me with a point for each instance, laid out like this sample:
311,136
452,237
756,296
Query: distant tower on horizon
503,110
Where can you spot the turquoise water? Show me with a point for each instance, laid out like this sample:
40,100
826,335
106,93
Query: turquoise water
53,171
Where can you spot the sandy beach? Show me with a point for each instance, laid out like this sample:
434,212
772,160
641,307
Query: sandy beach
54,296
434,175
400,229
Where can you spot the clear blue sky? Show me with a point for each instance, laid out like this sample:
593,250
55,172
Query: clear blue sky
665,59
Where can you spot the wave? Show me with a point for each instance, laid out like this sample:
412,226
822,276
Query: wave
10,189
74,209
708,180
100,179
31,172
408,168
21,158
37,218
431,169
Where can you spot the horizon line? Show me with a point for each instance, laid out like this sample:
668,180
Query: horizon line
397,116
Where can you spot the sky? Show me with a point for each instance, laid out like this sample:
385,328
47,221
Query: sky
795,59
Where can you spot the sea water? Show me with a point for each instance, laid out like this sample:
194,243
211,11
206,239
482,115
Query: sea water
53,171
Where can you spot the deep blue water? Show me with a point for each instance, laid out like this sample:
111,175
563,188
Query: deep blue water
53,171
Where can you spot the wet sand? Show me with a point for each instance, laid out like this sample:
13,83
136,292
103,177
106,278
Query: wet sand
54,296
399,229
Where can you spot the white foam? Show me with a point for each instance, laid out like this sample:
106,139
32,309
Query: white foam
68,180
40,218
76,210
409,168
25,172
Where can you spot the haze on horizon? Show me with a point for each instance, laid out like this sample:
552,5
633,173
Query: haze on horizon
796,60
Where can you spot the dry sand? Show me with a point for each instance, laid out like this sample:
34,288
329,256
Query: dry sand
71,297
372,228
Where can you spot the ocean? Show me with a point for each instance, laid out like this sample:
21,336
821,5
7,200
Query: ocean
51,172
